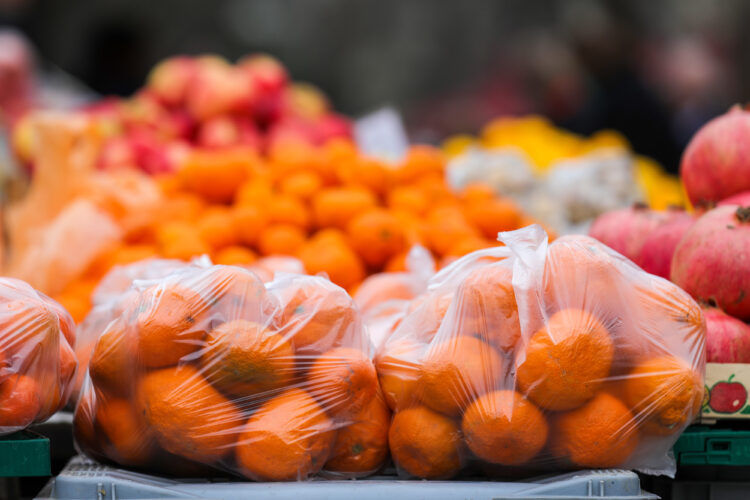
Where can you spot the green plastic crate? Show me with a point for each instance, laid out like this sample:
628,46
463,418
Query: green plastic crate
700,445
24,454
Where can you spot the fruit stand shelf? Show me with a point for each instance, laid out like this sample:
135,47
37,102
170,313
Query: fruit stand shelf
24,454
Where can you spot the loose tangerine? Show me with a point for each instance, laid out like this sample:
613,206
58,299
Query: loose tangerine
216,227
336,207
249,222
335,258
302,185
235,255
281,239
376,236
493,216
283,209
407,198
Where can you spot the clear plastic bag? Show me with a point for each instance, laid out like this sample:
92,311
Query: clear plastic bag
534,357
208,368
384,298
37,362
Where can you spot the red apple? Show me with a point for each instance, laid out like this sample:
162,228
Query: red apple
727,397
268,78
218,88
305,100
169,80
225,131
331,126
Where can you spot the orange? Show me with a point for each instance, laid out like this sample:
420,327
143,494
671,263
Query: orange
289,438
397,263
67,325
28,328
425,444
235,255
84,431
131,439
366,172
215,174
420,161
234,293
170,324
487,307
281,239
257,192
601,433
217,228
316,317
407,198
343,380
476,192
336,207
361,447
181,206
383,287
445,226
187,415
579,274
566,361
123,254
249,222
503,427
467,245
112,363
376,236
283,209
493,216
243,358
398,370
334,257
664,393
414,227
456,371
180,240
302,185
21,402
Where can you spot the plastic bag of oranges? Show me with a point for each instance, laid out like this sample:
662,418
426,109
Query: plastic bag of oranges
208,368
534,357
37,362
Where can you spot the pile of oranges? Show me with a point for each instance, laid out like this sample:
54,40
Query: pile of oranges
533,357
37,363
339,212
208,368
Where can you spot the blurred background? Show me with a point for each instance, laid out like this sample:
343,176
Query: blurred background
654,71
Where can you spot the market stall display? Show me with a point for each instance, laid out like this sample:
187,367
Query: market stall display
559,177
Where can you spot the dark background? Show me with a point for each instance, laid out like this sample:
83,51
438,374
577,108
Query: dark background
653,70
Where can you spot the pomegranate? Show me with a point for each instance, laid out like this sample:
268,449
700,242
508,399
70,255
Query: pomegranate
737,199
716,162
727,338
656,253
712,261
626,230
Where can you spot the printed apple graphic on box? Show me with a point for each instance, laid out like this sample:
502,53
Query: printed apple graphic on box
727,396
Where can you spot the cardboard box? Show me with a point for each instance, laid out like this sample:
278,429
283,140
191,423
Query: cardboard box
727,391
